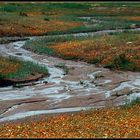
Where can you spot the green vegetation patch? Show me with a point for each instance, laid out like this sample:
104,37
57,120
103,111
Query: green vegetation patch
121,62
42,44
104,15
119,46
24,69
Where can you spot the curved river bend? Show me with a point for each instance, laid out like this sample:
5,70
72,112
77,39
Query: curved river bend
79,90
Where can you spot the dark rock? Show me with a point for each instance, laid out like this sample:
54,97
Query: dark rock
5,83
23,14
81,82
18,53
45,82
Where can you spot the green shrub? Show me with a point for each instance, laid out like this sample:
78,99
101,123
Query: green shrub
46,19
130,104
120,62
94,61
1,76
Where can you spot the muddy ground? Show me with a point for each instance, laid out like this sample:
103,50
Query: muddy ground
85,86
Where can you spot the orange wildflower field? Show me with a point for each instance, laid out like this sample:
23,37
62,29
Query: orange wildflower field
94,50
121,122
7,66
32,25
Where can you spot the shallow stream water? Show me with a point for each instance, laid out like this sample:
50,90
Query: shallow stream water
58,93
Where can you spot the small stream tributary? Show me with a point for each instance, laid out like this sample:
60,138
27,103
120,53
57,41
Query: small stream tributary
58,93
